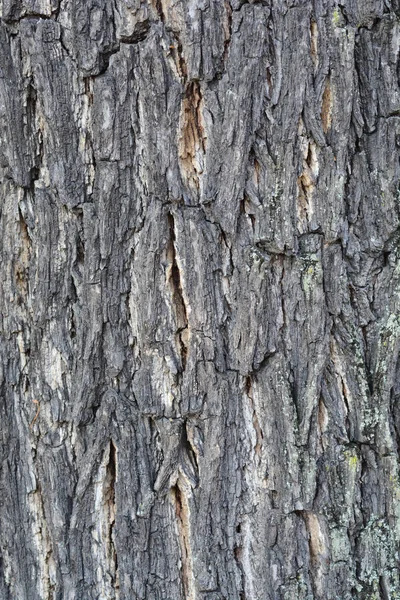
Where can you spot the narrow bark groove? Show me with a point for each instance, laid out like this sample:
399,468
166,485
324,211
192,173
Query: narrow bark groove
111,507
178,301
227,30
104,548
182,513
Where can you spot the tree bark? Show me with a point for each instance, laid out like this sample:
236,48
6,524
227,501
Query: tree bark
199,295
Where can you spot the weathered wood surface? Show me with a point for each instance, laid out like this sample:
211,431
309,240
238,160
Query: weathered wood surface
200,295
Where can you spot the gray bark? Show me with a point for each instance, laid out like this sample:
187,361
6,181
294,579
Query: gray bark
199,296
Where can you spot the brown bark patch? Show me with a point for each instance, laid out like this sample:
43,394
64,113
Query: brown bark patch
316,540
192,139
307,180
318,552
314,42
22,261
326,108
180,503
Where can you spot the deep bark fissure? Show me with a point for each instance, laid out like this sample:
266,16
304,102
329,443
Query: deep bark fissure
158,5
179,58
227,30
178,301
183,524
192,141
111,510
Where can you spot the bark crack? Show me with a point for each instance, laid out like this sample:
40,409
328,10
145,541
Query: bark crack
175,284
89,153
193,138
111,509
307,180
179,59
227,30
182,513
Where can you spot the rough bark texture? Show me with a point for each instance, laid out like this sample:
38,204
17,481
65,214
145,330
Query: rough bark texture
200,300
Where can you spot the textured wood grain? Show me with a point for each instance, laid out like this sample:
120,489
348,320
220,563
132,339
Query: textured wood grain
199,300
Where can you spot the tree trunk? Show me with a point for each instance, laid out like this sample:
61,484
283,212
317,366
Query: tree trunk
200,300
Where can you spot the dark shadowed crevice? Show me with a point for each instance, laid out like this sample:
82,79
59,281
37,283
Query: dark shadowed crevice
138,35
111,509
227,30
35,133
238,554
178,301
177,51
158,6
